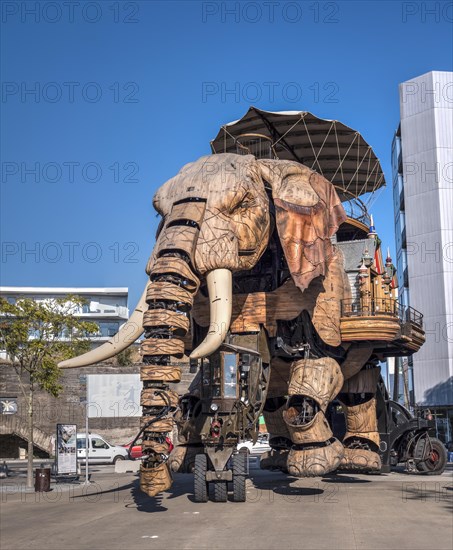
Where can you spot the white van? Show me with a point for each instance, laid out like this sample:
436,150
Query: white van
99,451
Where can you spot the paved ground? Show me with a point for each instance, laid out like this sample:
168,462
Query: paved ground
392,511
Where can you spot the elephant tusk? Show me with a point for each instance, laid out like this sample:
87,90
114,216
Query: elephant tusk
220,289
126,336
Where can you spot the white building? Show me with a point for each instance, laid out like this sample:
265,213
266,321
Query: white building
107,307
422,163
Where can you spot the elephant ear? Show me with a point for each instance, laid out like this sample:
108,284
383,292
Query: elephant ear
308,212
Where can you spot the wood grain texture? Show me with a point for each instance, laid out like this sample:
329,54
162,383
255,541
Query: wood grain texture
160,373
177,323
156,398
234,230
317,461
155,480
178,237
361,418
155,446
321,299
378,328
316,431
158,291
320,379
170,265
327,311
361,460
304,225
260,308
165,425
193,211
163,346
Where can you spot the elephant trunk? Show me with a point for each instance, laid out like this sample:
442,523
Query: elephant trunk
169,297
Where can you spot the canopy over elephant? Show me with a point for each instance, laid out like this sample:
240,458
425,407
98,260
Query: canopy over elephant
245,274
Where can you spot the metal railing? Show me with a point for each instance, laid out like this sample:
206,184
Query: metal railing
366,307
414,316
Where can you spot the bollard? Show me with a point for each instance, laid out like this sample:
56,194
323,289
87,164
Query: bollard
42,480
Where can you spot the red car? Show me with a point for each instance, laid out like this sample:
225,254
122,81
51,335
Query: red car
136,451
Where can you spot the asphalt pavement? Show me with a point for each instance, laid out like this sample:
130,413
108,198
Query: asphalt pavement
342,512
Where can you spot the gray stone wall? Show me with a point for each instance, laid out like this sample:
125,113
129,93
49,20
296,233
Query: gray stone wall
67,408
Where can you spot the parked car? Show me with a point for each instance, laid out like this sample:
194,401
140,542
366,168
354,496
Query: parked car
99,451
136,451
261,446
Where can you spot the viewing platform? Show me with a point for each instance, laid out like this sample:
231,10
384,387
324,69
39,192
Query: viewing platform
394,329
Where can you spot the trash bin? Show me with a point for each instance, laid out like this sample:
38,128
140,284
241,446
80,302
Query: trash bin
42,480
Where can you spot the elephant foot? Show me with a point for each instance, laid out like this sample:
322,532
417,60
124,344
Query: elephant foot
274,460
315,461
155,480
360,460
182,458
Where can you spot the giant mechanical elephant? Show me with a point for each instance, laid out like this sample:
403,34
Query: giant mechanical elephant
245,255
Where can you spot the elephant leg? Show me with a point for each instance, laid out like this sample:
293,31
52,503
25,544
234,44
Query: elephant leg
169,298
313,384
361,440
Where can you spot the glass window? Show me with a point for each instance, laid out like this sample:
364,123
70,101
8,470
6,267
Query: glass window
229,374
80,443
97,443
108,329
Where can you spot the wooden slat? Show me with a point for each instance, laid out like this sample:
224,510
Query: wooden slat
163,346
187,211
374,328
160,426
178,323
168,291
171,265
154,398
179,237
160,373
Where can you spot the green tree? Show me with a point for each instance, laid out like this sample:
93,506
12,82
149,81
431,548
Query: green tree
36,336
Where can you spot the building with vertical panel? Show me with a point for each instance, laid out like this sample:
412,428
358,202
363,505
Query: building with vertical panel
422,165
107,307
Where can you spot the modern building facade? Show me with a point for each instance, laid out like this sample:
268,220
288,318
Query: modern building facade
107,307
422,165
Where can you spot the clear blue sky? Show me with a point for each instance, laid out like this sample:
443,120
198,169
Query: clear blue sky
120,108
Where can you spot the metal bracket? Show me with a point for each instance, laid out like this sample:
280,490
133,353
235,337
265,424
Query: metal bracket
225,475
219,456
293,351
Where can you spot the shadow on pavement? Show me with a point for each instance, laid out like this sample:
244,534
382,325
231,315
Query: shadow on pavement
344,478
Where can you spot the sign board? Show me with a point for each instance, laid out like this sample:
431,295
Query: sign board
8,405
113,395
66,449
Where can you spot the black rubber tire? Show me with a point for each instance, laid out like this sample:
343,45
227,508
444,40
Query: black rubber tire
117,457
240,468
200,485
220,491
435,464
